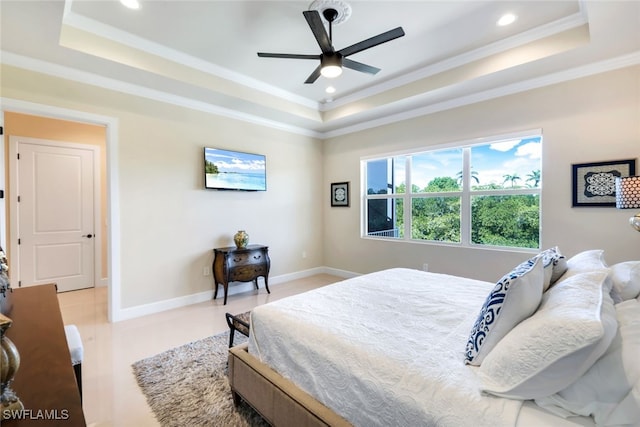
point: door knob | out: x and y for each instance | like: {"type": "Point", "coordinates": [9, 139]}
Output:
{"type": "Point", "coordinates": [88, 236]}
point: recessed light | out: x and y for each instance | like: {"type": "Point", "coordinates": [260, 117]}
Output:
{"type": "Point", "coordinates": [330, 89]}
{"type": "Point", "coordinates": [506, 19]}
{"type": "Point", "coordinates": [131, 4]}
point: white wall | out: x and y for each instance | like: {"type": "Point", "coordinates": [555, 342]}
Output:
{"type": "Point", "coordinates": [588, 120]}
{"type": "Point", "coordinates": [169, 223]}
{"type": "Point", "coordinates": [172, 224]}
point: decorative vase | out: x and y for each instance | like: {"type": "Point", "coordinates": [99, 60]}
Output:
{"type": "Point", "coordinates": [9, 402]}
{"type": "Point", "coordinates": [241, 238]}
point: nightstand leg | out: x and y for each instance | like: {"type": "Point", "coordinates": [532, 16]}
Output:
{"type": "Point", "coordinates": [266, 284]}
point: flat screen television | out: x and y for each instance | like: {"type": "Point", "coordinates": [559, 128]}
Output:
{"type": "Point", "coordinates": [234, 170]}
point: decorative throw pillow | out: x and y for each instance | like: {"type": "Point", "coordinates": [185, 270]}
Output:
{"type": "Point", "coordinates": [626, 279]}
{"type": "Point", "coordinates": [606, 391]}
{"type": "Point", "coordinates": [515, 297]}
{"type": "Point", "coordinates": [550, 350]}
{"type": "Point", "coordinates": [554, 264]}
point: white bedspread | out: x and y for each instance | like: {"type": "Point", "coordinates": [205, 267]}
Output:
{"type": "Point", "coordinates": [384, 349]}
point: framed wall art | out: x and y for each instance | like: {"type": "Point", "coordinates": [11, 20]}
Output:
{"type": "Point", "coordinates": [594, 183]}
{"type": "Point", "coordinates": [340, 194]}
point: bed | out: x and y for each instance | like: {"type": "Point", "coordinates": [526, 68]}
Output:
{"type": "Point", "coordinates": [406, 347]}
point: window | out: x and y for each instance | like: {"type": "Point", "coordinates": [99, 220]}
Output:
{"type": "Point", "coordinates": [475, 194]}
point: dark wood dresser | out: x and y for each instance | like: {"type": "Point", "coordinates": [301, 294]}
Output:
{"type": "Point", "coordinates": [45, 381]}
{"type": "Point", "coordinates": [231, 264]}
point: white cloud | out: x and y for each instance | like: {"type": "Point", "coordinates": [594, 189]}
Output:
{"type": "Point", "coordinates": [505, 145]}
{"type": "Point", "coordinates": [521, 165]}
{"type": "Point", "coordinates": [532, 150]}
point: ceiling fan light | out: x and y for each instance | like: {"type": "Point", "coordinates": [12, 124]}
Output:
{"type": "Point", "coordinates": [331, 66]}
{"type": "Point", "coordinates": [331, 71]}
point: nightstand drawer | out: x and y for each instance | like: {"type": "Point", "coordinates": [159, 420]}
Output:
{"type": "Point", "coordinates": [247, 258]}
{"type": "Point", "coordinates": [246, 273]}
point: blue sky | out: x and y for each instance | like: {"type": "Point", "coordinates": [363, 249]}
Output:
{"type": "Point", "coordinates": [490, 161]}
{"type": "Point", "coordinates": [232, 161]}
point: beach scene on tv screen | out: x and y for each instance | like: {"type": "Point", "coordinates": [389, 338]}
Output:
{"type": "Point", "coordinates": [234, 170]}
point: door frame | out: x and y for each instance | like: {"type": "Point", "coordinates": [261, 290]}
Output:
{"type": "Point", "coordinates": [14, 261]}
{"type": "Point", "coordinates": [114, 309]}
{"type": "Point", "coordinates": [3, 206]}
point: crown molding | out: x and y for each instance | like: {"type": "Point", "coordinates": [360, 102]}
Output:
{"type": "Point", "coordinates": [535, 83]}
{"type": "Point", "coordinates": [538, 33]}
{"type": "Point", "coordinates": [102, 30]}
{"type": "Point", "coordinates": [83, 23]}
{"type": "Point", "coordinates": [67, 73]}
{"type": "Point", "coordinates": [96, 80]}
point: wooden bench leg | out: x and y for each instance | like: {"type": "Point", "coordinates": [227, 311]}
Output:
{"type": "Point", "coordinates": [235, 323]}
{"type": "Point", "coordinates": [232, 328]}
{"type": "Point", "coordinates": [232, 334]}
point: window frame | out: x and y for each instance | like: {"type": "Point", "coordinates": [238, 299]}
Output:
{"type": "Point", "coordinates": [466, 193]}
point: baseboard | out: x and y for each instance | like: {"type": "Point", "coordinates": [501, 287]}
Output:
{"type": "Point", "coordinates": [170, 304]}
{"type": "Point", "coordinates": [160, 306]}
{"type": "Point", "coordinates": [340, 273]}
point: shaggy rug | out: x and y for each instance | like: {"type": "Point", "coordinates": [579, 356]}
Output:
{"type": "Point", "coordinates": [188, 386]}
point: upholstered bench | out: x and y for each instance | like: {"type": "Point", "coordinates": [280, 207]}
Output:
{"type": "Point", "coordinates": [238, 322]}
{"type": "Point", "coordinates": [76, 351]}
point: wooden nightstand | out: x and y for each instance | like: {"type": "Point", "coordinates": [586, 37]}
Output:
{"type": "Point", "coordinates": [231, 264]}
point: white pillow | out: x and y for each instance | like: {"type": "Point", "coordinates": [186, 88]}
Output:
{"type": "Point", "coordinates": [515, 297]}
{"type": "Point", "coordinates": [626, 279]}
{"type": "Point", "coordinates": [606, 391]}
{"type": "Point", "coordinates": [584, 261]}
{"type": "Point", "coordinates": [548, 351]}
{"type": "Point", "coordinates": [554, 263]}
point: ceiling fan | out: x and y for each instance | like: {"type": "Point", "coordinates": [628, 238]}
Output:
{"type": "Point", "coordinates": [332, 61]}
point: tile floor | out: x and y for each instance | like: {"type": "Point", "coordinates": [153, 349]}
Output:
{"type": "Point", "coordinates": [111, 396]}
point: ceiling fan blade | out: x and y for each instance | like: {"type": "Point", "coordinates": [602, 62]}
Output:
{"type": "Point", "coordinates": [314, 76]}
{"type": "Point", "coordinates": [317, 28]}
{"type": "Point", "coordinates": [287, 55]}
{"type": "Point", "coordinates": [373, 41]}
{"type": "Point", "coordinates": [359, 66]}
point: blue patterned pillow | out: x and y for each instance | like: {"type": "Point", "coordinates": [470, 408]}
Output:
{"type": "Point", "coordinates": [554, 264]}
{"type": "Point", "coordinates": [514, 298]}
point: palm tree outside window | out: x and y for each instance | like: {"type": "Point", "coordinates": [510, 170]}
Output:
{"type": "Point", "coordinates": [466, 194]}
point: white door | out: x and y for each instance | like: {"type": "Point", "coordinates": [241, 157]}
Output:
{"type": "Point", "coordinates": [55, 189]}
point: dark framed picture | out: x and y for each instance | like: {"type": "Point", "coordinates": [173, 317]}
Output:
{"type": "Point", "coordinates": [594, 184]}
{"type": "Point", "coordinates": [340, 194]}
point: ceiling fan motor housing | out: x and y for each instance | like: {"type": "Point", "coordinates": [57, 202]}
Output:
{"type": "Point", "coordinates": [330, 14]}
{"type": "Point", "coordinates": [333, 59]}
